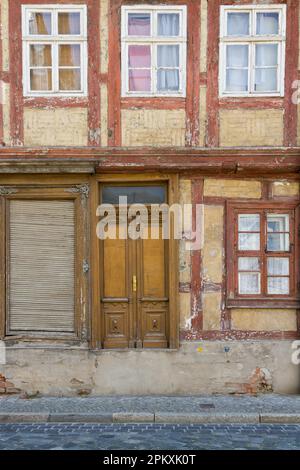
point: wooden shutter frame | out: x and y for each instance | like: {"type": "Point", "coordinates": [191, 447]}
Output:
{"type": "Point", "coordinates": [80, 195]}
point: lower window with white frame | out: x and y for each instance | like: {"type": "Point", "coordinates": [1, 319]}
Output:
{"type": "Point", "coordinates": [261, 251]}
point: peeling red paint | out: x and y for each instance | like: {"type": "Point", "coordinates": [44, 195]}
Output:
{"type": "Point", "coordinates": [196, 280]}
{"type": "Point", "coordinates": [218, 335]}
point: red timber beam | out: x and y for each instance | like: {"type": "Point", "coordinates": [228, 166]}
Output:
{"type": "Point", "coordinates": [276, 163]}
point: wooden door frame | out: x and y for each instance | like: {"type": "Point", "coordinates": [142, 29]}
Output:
{"type": "Point", "coordinates": [172, 181]}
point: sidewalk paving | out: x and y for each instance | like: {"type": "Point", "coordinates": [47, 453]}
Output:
{"type": "Point", "coordinates": [267, 408]}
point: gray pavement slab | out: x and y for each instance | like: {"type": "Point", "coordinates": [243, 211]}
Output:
{"type": "Point", "coordinates": [269, 408]}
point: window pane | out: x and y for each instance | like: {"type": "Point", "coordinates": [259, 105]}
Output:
{"type": "Point", "coordinates": [278, 222]}
{"type": "Point", "coordinates": [249, 222]}
{"type": "Point", "coordinates": [249, 241]}
{"type": "Point", "coordinates": [267, 23]}
{"type": "Point", "coordinates": [69, 79]}
{"type": "Point", "coordinates": [249, 264]}
{"type": "Point", "coordinates": [278, 285]}
{"type": "Point", "coordinates": [41, 80]}
{"type": "Point", "coordinates": [69, 55]}
{"type": "Point", "coordinates": [139, 80]}
{"type": "Point", "coordinates": [134, 194]}
{"type": "Point", "coordinates": [139, 24]}
{"type": "Point", "coordinates": [40, 55]}
{"type": "Point", "coordinates": [266, 80]}
{"type": "Point", "coordinates": [236, 80]}
{"type": "Point", "coordinates": [249, 283]}
{"type": "Point", "coordinates": [278, 266]}
{"type": "Point", "coordinates": [39, 23]}
{"type": "Point", "coordinates": [266, 55]}
{"type": "Point", "coordinates": [69, 23]}
{"type": "Point", "coordinates": [237, 56]}
{"type": "Point", "coordinates": [168, 56]}
{"type": "Point", "coordinates": [238, 24]}
{"type": "Point", "coordinates": [168, 80]}
{"type": "Point", "coordinates": [278, 242]}
{"type": "Point", "coordinates": [139, 56]}
{"type": "Point", "coordinates": [168, 24]}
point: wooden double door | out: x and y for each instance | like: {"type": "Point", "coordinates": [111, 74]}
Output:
{"type": "Point", "coordinates": [135, 287]}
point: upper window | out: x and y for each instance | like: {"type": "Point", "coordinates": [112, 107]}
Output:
{"type": "Point", "coordinates": [252, 50]}
{"type": "Point", "coordinates": [153, 51]}
{"type": "Point", "coordinates": [55, 50]}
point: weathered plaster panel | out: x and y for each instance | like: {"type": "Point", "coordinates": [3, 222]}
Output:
{"type": "Point", "coordinates": [232, 188]}
{"type": "Point", "coordinates": [104, 35]}
{"type": "Point", "coordinates": [185, 309]}
{"type": "Point", "coordinates": [212, 255]}
{"type": "Point", "coordinates": [153, 127]}
{"type": "Point", "coordinates": [202, 116]}
{"type": "Point", "coordinates": [6, 113]}
{"type": "Point", "coordinates": [5, 35]}
{"type": "Point", "coordinates": [211, 305]}
{"type": "Point", "coordinates": [246, 127]}
{"type": "Point", "coordinates": [104, 115]}
{"type": "Point", "coordinates": [203, 36]}
{"type": "Point", "coordinates": [185, 195]}
{"type": "Point", "coordinates": [52, 127]}
{"type": "Point", "coordinates": [264, 320]}
{"type": "Point", "coordinates": [285, 188]}
{"type": "Point", "coordinates": [298, 129]}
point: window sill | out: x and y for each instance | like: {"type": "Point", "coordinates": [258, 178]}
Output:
{"type": "Point", "coordinates": [153, 102]}
{"type": "Point", "coordinates": [277, 303]}
{"type": "Point", "coordinates": [55, 101]}
{"type": "Point", "coordinates": [267, 102]}
{"type": "Point", "coordinates": [251, 95]}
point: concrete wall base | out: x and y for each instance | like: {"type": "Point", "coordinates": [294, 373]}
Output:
{"type": "Point", "coordinates": [197, 368]}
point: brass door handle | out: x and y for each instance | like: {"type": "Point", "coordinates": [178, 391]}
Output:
{"type": "Point", "coordinates": [134, 283]}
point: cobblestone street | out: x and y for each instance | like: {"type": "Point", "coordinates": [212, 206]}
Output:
{"type": "Point", "coordinates": [148, 436]}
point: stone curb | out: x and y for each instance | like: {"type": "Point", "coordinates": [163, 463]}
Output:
{"type": "Point", "coordinates": [133, 417]}
{"type": "Point", "coordinates": [280, 418]}
{"type": "Point", "coordinates": [160, 417]}
{"type": "Point", "coordinates": [206, 418]}
{"type": "Point", "coordinates": [80, 418]}
{"type": "Point", "coordinates": [24, 417]}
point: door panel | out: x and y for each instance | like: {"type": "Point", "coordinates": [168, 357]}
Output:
{"type": "Point", "coordinates": [116, 290]}
{"type": "Point", "coordinates": [153, 301]}
{"type": "Point", "coordinates": [153, 264]}
{"type": "Point", "coordinates": [115, 278]}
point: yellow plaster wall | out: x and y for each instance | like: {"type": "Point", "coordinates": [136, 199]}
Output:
{"type": "Point", "coordinates": [54, 127]}
{"type": "Point", "coordinates": [232, 188]}
{"type": "Point", "coordinates": [264, 319]}
{"type": "Point", "coordinates": [244, 127]}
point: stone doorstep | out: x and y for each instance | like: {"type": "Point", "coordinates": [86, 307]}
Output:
{"type": "Point", "coordinates": [161, 417]}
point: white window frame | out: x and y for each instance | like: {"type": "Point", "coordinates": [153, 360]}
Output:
{"type": "Point", "coordinates": [252, 40]}
{"type": "Point", "coordinates": [55, 40]}
{"type": "Point", "coordinates": [153, 40]}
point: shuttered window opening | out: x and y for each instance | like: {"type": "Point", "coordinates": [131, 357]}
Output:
{"type": "Point", "coordinates": [41, 283]}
